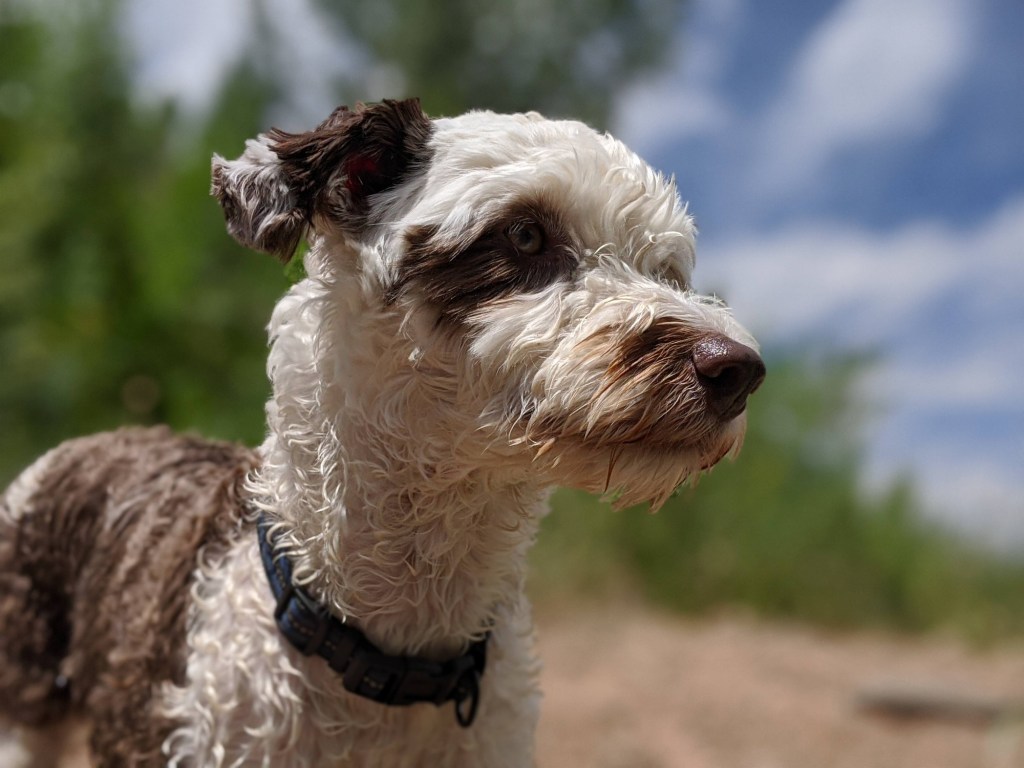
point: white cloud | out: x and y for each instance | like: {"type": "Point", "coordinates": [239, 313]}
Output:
{"type": "Point", "coordinates": [894, 292]}
{"type": "Point", "coordinates": [874, 70]}
{"type": "Point", "coordinates": [682, 99]}
{"type": "Point", "coordinates": [656, 112]}
{"type": "Point", "coordinates": [796, 281]}
{"type": "Point", "coordinates": [866, 287]}
{"type": "Point", "coordinates": [977, 493]}
{"type": "Point", "coordinates": [973, 376]}
{"type": "Point", "coordinates": [314, 55]}
{"type": "Point", "coordinates": [183, 49]}
{"type": "Point", "coordinates": [979, 499]}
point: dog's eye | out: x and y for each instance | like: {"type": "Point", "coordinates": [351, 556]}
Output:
{"type": "Point", "coordinates": [527, 237]}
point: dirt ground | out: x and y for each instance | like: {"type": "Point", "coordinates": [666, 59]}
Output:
{"type": "Point", "coordinates": [636, 690]}
{"type": "Point", "coordinates": [626, 688]}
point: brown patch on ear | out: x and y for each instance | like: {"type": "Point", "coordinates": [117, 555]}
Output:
{"type": "Point", "coordinates": [286, 182]}
{"type": "Point", "coordinates": [334, 169]}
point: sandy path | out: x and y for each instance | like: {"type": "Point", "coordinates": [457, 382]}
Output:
{"type": "Point", "coordinates": [631, 689]}
{"type": "Point", "coordinates": [647, 691]}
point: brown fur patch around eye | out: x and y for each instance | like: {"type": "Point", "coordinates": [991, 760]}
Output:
{"type": "Point", "coordinates": [460, 278]}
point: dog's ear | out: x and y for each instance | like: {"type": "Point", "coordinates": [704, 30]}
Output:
{"type": "Point", "coordinates": [324, 178]}
{"type": "Point", "coordinates": [260, 208]}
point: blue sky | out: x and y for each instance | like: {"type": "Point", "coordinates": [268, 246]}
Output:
{"type": "Point", "coordinates": [856, 168]}
{"type": "Point", "coordinates": [857, 172]}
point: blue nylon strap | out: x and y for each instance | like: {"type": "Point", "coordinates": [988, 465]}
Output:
{"type": "Point", "coordinates": [366, 670]}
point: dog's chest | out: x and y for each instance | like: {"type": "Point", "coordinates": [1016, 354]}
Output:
{"type": "Point", "coordinates": [252, 699]}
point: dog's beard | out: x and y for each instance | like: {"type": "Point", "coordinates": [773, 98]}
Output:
{"type": "Point", "coordinates": [633, 473]}
{"type": "Point", "coordinates": [622, 463]}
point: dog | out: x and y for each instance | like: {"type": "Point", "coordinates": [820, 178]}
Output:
{"type": "Point", "coordinates": [493, 305]}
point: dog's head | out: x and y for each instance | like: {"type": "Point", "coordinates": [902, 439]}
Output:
{"type": "Point", "coordinates": [547, 262]}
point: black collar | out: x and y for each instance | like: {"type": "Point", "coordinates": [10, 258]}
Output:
{"type": "Point", "coordinates": [365, 669]}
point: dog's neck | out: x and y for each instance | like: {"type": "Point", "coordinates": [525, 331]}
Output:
{"type": "Point", "coordinates": [389, 516]}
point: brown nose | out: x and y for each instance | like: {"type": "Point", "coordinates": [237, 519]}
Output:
{"type": "Point", "coordinates": [729, 372]}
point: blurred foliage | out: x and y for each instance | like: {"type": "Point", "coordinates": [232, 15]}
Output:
{"type": "Point", "coordinates": [123, 300]}
{"type": "Point", "coordinates": [564, 59]}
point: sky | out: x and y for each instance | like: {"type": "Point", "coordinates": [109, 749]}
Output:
{"type": "Point", "coordinates": [856, 169]}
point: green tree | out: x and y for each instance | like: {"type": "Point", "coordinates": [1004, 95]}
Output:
{"type": "Point", "coordinates": [565, 59]}
{"type": "Point", "coordinates": [122, 298]}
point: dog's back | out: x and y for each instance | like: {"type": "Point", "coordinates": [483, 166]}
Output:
{"type": "Point", "coordinates": [98, 540]}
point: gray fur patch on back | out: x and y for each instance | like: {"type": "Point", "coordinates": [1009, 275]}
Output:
{"type": "Point", "coordinates": [95, 564]}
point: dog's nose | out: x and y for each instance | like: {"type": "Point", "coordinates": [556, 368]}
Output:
{"type": "Point", "coordinates": [729, 372]}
